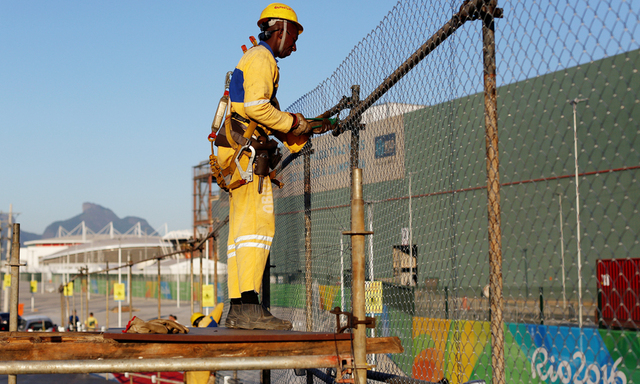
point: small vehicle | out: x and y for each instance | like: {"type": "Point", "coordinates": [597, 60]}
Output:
{"type": "Point", "coordinates": [38, 323]}
{"type": "Point", "coordinates": [4, 322]}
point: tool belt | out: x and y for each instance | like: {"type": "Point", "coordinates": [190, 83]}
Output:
{"type": "Point", "coordinates": [264, 153]}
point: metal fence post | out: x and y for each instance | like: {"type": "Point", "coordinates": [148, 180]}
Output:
{"type": "Point", "coordinates": [493, 190]}
{"type": "Point", "coordinates": [307, 234]}
{"type": "Point", "coordinates": [191, 278]}
{"type": "Point", "coordinates": [200, 284]}
{"type": "Point", "coordinates": [62, 306]}
{"type": "Point", "coordinates": [106, 297]}
{"type": "Point", "coordinates": [541, 306]}
{"type": "Point", "coordinates": [81, 320]}
{"type": "Point", "coordinates": [446, 302]}
{"type": "Point", "coordinates": [130, 288]}
{"type": "Point", "coordinates": [358, 266]}
{"type": "Point", "coordinates": [15, 286]}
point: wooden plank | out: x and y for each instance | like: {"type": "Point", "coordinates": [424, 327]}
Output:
{"type": "Point", "coordinates": [89, 346]}
{"type": "Point", "coordinates": [221, 334]}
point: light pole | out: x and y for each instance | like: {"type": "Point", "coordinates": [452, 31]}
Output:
{"type": "Point", "coordinates": [564, 290]}
{"type": "Point", "coordinates": [526, 273]}
{"type": "Point", "coordinates": [574, 104]}
{"type": "Point", "coordinates": [411, 281]}
{"type": "Point", "coordinates": [410, 232]}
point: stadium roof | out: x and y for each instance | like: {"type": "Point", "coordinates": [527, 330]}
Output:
{"type": "Point", "coordinates": [110, 244]}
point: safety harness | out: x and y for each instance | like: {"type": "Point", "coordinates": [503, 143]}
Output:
{"type": "Point", "coordinates": [263, 153]}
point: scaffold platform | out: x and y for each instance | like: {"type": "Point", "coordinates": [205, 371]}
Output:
{"type": "Point", "coordinates": [201, 348]}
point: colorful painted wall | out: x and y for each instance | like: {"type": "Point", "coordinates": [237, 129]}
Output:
{"type": "Point", "coordinates": [461, 351]}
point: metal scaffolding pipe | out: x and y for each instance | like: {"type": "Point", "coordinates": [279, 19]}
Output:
{"type": "Point", "coordinates": [357, 268]}
{"type": "Point", "coordinates": [493, 191]}
{"type": "Point", "coordinates": [307, 236]}
{"type": "Point", "coordinates": [15, 278]}
{"type": "Point", "coordinates": [166, 365]}
{"type": "Point", "coordinates": [200, 281]}
{"type": "Point", "coordinates": [130, 287]}
{"type": "Point", "coordinates": [215, 269]}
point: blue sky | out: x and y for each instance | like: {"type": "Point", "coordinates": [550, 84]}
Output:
{"type": "Point", "coordinates": [111, 102]}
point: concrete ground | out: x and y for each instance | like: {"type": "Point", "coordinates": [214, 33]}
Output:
{"type": "Point", "coordinates": [48, 304]}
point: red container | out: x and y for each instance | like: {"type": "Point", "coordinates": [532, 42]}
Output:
{"type": "Point", "coordinates": [619, 286]}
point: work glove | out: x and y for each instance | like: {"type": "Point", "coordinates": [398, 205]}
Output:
{"type": "Point", "coordinates": [300, 125]}
{"type": "Point", "coordinates": [137, 325]}
{"type": "Point", "coordinates": [320, 127]}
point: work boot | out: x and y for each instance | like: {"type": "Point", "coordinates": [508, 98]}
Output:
{"type": "Point", "coordinates": [254, 316]}
{"type": "Point", "coordinates": [232, 316]}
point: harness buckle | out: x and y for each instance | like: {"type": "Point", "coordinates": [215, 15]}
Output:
{"type": "Point", "coordinates": [246, 175]}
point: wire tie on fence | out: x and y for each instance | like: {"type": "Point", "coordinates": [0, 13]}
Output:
{"type": "Point", "coordinates": [364, 366]}
{"type": "Point", "coordinates": [347, 233]}
{"type": "Point", "coordinates": [17, 265]}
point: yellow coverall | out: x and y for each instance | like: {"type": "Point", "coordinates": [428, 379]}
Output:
{"type": "Point", "coordinates": [251, 214]}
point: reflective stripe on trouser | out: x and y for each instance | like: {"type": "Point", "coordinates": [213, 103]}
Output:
{"type": "Point", "coordinates": [251, 230]}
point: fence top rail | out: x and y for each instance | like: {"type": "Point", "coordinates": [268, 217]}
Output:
{"type": "Point", "coordinates": [470, 10]}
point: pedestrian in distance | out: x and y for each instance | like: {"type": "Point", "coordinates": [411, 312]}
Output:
{"type": "Point", "coordinates": [91, 323]}
{"type": "Point", "coordinates": [73, 322]}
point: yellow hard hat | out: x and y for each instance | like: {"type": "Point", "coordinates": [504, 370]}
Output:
{"type": "Point", "coordinates": [196, 316]}
{"type": "Point", "coordinates": [279, 11]}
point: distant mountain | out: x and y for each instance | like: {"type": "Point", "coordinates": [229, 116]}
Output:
{"type": "Point", "coordinates": [96, 217]}
{"type": "Point", "coordinates": [28, 236]}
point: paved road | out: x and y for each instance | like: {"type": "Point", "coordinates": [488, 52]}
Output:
{"type": "Point", "coordinates": [48, 304]}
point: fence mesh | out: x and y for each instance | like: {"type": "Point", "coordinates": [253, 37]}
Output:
{"type": "Point", "coordinates": [568, 146]}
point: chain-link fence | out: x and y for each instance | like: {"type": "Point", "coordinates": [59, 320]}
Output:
{"type": "Point", "coordinates": [567, 202]}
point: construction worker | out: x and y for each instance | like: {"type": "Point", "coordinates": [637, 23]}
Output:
{"type": "Point", "coordinates": [252, 94]}
{"type": "Point", "coordinates": [200, 320]}
{"type": "Point", "coordinates": [74, 322]}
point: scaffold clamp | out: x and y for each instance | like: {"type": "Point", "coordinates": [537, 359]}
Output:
{"type": "Point", "coordinates": [17, 265]}
{"type": "Point", "coordinates": [352, 321]}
